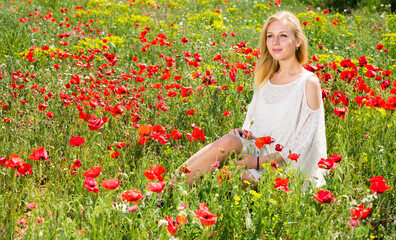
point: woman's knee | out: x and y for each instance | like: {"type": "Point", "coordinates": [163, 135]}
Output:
{"type": "Point", "coordinates": [229, 143]}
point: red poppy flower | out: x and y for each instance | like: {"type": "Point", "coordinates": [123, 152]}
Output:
{"type": "Point", "coordinates": [115, 155]}
{"type": "Point", "coordinates": [184, 40]}
{"type": "Point", "coordinates": [260, 142]}
{"type": "Point", "coordinates": [282, 184]}
{"type": "Point", "coordinates": [131, 195]}
{"type": "Point", "coordinates": [379, 47]}
{"type": "Point", "coordinates": [378, 185]}
{"type": "Point", "coordinates": [385, 84]}
{"type": "Point", "coordinates": [393, 90]}
{"type": "Point", "coordinates": [97, 124]}
{"type": "Point", "coordinates": [336, 157]}
{"type": "Point", "coordinates": [156, 186]}
{"type": "Point", "coordinates": [370, 74]}
{"type": "Point", "coordinates": [184, 169]}
{"type": "Point", "coordinates": [110, 183]}
{"type": "Point", "coordinates": [371, 67]}
{"type": "Point", "coordinates": [246, 134]}
{"type": "Point", "coordinates": [274, 165]}
{"type": "Point", "coordinates": [293, 156]}
{"type": "Point", "coordinates": [171, 94]}
{"type": "Point", "coordinates": [159, 128]}
{"type": "Point", "coordinates": [176, 134]}
{"type": "Point", "coordinates": [76, 141]}
{"type": "Point", "coordinates": [360, 212]}
{"type": "Point", "coordinates": [25, 169]}
{"type": "Point", "coordinates": [77, 163]}
{"type": "Point", "coordinates": [50, 115]}
{"type": "Point", "coordinates": [324, 196]}
{"type": "Point", "coordinates": [172, 225]}
{"type": "Point", "coordinates": [327, 163]}
{"type": "Point", "coordinates": [39, 154]}
{"type": "Point", "coordinates": [185, 92]}
{"type": "Point", "coordinates": [190, 112]}
{"type": "Point", "coordinates": [142, 141]}
{"type": "Point", "coordinates": [198, 134]}
{"type": "Point", "coordinates": [120, 145]}
{"type": "Point", "coordinates": [227, 113]}
{"type": "Point", "coordinates": [42, 107]}
{"type": "Point", "coordinates": [91, 184]}
{"type": "Point", "coordinates": [223, 175]}
{"type": "Point", "coordinates": [180, 219]}
{"type": "Point", "coordinates": [161, 35]}
{"type": "Point", "coordinates": [341, 112]}
{"type": "Point", "coordinates": [145, 130]}
{"type": "Point", "coordinates": [362, 61]}
{"type": "Point", "coordinates": [93, 172]}
{"type": "Point", "coordinates": [155, 173]}
{"type": "Point", "coordinates": [3, 160]}
{"type": "Point", "coordinates": [278, 147]}
{"type": "Point", "coordinates": [204, 215]}
{"type": "Point", "coordinates": [14, 161]}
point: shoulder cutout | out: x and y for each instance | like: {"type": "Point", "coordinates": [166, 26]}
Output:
{"type": "Point", "coordinates": [313, 92]}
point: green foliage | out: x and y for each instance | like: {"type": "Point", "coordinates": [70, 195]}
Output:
{"type": "Point", "coordinates": [349, 5]}
{"type": "Point", "coordinates": [66, 210]}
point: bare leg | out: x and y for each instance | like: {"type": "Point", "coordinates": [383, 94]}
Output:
{"type": "Point", "coordinates": [201, 161]}
{"type": "Point", "coordinates": [247, 176]}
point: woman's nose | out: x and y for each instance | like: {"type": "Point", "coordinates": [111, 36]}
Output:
{"type": "Point", "coordinates": [276, 40]}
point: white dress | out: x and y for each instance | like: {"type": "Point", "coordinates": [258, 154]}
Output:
{"type": "Point", "coordinates": [282, 112]}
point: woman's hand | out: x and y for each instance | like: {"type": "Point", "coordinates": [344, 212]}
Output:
{"type": "Point", "coordinates": [236, 131]}
{"type": "Point", "coordinates": [241, 133]}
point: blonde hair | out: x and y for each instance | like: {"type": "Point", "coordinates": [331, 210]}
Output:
{"type": "Point", "coordinates": [267, 66]}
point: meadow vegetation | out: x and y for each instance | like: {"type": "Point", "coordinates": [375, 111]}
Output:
{"type": "Point", "coordinates": [102, 100]}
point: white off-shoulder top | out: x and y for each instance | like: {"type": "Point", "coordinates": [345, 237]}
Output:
{"type": "Point", "coordinates": [282, 112]}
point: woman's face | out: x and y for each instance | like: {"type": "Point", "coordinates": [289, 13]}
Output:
{"type": "Point", "coordinates": [281, 42]}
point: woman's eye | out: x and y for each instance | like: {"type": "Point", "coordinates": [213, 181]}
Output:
{"type": "Point", "coordinates": [283, 35]}
{"type": "Point", "coordinates": [269, 36]}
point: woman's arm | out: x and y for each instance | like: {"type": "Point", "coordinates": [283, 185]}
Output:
{"type": "Point", "coordinates": [251, 161]}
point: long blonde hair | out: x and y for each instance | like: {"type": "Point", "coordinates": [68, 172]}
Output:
{"type": "Point", "coordinates": [267, 66]}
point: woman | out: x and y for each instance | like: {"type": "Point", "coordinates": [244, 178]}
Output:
{"type": "Point", "coordinates": [286, 105]}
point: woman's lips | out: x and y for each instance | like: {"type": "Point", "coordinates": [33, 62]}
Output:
{"type": "Point", "coordinates": [276, 50]}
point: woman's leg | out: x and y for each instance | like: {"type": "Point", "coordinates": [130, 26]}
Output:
{"type": "Point", "coordinates": [247, 176]}
{"type": "Point", "coordinates": [201, 161]}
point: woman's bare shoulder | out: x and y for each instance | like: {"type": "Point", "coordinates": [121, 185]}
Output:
{"type": "Point", "coordinates": [313, 81]}
{"type": "Point", "coordinates": [313, 92]}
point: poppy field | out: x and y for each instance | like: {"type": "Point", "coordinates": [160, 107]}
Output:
{"type": "Point", "coordinates": [102, 100]}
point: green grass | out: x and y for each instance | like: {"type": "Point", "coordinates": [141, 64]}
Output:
{"type": "Point", "coordinates": [257, 212]}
